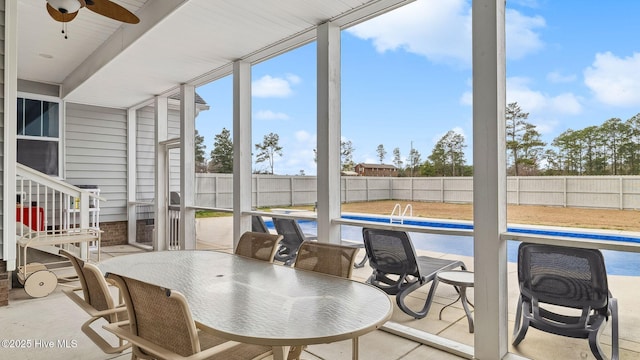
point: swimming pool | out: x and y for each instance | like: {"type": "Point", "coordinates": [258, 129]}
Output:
{"type": "Point", "coordinates": [617, 262]}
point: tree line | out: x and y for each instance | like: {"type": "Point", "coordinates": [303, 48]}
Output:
{"type": "Point", "coordinates": [612, 148]}
{"type": "Point", "coordinates": [221, 157]}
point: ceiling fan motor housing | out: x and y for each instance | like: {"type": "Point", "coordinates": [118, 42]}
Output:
{"type": "Point", "coordinates": [65, 6]}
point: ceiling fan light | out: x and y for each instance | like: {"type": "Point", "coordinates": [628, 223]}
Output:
{"type": "Point", "coordinates": [65, 6]}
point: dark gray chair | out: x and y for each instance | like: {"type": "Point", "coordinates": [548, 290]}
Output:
{"type": "Point", "coordinates": [258, 225]}
{"type": "Point", "coordinates": [569, 278]}
{"type": "Point", "coordinates": [397, 270]}
{"type": "Point", "coordinates": [292, 238]}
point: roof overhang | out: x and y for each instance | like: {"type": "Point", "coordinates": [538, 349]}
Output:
{"type": "Point", "coordinates": [106, 63]}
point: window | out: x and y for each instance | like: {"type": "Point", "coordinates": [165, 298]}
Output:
{"type": "Point", "coordinates": [38, 135]}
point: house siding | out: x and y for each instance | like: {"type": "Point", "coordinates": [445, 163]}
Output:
{"type": "Point", "coordinates": [4, 278]}
{"type": "Point", "coordinates": [145, 152]}
{"type": "Point", "coordinates": [96, 154]}
{"type": "Point", "coordinates": [145, 155]}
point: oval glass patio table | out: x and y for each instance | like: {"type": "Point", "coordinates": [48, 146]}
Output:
{"type": "Point", "coordinates": [257, 302]}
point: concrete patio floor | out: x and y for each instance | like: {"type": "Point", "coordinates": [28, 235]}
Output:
{"type": "Point", "coordinates": [53, 323]}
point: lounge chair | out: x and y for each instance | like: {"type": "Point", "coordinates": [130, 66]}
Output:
{"type": "Point", "coordinates": [398, 271]}
{"type": "Point", "coordinates": [258, 245]}
{"type": "Point", "coordinates": [556, 280]}
{"type": "Point", "coordinates": [96, 301]}
{"type": "Point", "coordinates": [291, 241]}
{"type": "Point", "coordinates": [293, 237]}
{"type": "Point", "coordinates": [258, 225]}
{"type": "Point", "coordinates": [174, 334]}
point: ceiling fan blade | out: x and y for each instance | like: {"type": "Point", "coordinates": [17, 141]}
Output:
{"type": "Point", "coordinates": [112, 10]}
{"type": "Point", "coordinates": [58, 16]}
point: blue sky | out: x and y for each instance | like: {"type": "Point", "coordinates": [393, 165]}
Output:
{"type": "Point", "coordinates": [406, 78]}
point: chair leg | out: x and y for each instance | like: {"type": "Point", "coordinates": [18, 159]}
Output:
{"type": "Point", "coordinates": [613, 308]}
{"type": "Point", "coordinates": [594, 337]}
{"type": "Point", "coordinates": [520, 331]}
{"type": "Point", "coordinates": [361, 263]}
{"type": "Point", "coordinates": [595, 346]}
{"type": "Point", "coordinates": [295, 352]}
{"type": "Point", "coordinates": [97, 339]}
{"type": "Point", "coordinates": [427, 305]}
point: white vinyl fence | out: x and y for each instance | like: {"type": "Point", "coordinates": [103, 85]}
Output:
{"type": "Point", "coordinates": [609, 192]}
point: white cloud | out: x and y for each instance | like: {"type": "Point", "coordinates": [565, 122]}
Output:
{"type": "Point", "coordinates": [543, 109]}
{"type": "Point", "coordinates": [566, 103]}
{"type": "Point", "coordinates": [466, 98]}
{"type": "Point", "coordinates": [457, 129]}
{"type": "Point", "coordinates": [527, 3]}
{"type": "Point", "coordinates": [538, 104]}
{"type": "Point", "coordinates": [441, 31]}
{"type": "Point", "coordinates": [270, 115]}
{"type": "Point", "coordinates": [520, 35]}
{"type": "Point", "coordinates": [557, 77]}
{"type": "Point", "coordinates": [299, 154]}
{"type": "Point", "coordinates": [269, 86]}
{"type": "Point", "coordinates": [518, 90]}
{"type": "Point", "coordinates": [303, 136]}
{"type": "Point", "coordinates": [293, 79]}
{"type": "Point", "coordinates": [615, 80]}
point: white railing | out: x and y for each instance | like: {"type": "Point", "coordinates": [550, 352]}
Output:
{"type": "Point", "coordinates": [45, 205]}
{"type": "Point", "coordinates": [398, 217]}
{"type": "Point", "coordinates": [173, 240]}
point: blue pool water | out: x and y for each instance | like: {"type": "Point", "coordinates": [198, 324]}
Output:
{"type": "Point", "coordinates": [617, 262]}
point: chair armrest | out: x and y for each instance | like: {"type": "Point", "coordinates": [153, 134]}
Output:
{"type": "Point", "coordinates": [71, 294]}
{"type": "Point", "coordinates": [161, 352]}
{"type": "Point", "coordinates": [148, 346]}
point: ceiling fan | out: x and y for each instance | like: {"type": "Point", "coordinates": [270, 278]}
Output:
{"type": "Point", "coordinates": [66, 10]}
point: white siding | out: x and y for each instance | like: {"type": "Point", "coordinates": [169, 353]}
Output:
{"type": "Point", "coordinates": [96, 154]}
{"type": "Point", "coordinates": [2, 131]}
{"type": "Point", "coordinates": [145, 153]}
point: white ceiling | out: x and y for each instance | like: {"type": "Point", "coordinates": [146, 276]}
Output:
{"type": "Point", "coordinates": [104, 62]}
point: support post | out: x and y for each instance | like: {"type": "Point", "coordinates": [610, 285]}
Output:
{"type": "Point", "coordinates": [10, 108]}
{"type": "Point", "coordinates": [161, 166]}
{"type": "Point", "coordinates": [132, 219]}
{"type": "Point", "coordinates": [328, 123]}
{"type": "Point", "coordinates": [187, 166]}
{"type": "Point", "coordinates": [490, 182]}
{"type": "Point", "coordinates": [241, 148]}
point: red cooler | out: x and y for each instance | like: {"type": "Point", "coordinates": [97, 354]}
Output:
{"type": "Point", "coordinates": [31, 216]}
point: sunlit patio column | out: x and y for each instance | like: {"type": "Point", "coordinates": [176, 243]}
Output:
{"type": "Point", "coordinates": [241, 148]}
{"type": "Point", "coordinates": [161, 184]}
{"type": "Point", "coordinates": [489, 179]}
{"type": "Point", "coordinates": [132, 178]}
{"type": "Point", "coordinates": [10, 109]}
{"type": "Point", "coordinates": [187, 166]}
{"type": "Point", "coordinates": [328, 122]}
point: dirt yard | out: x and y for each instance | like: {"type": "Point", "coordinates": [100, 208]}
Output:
{"type": "Point", "coordinates": [627, 220]}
